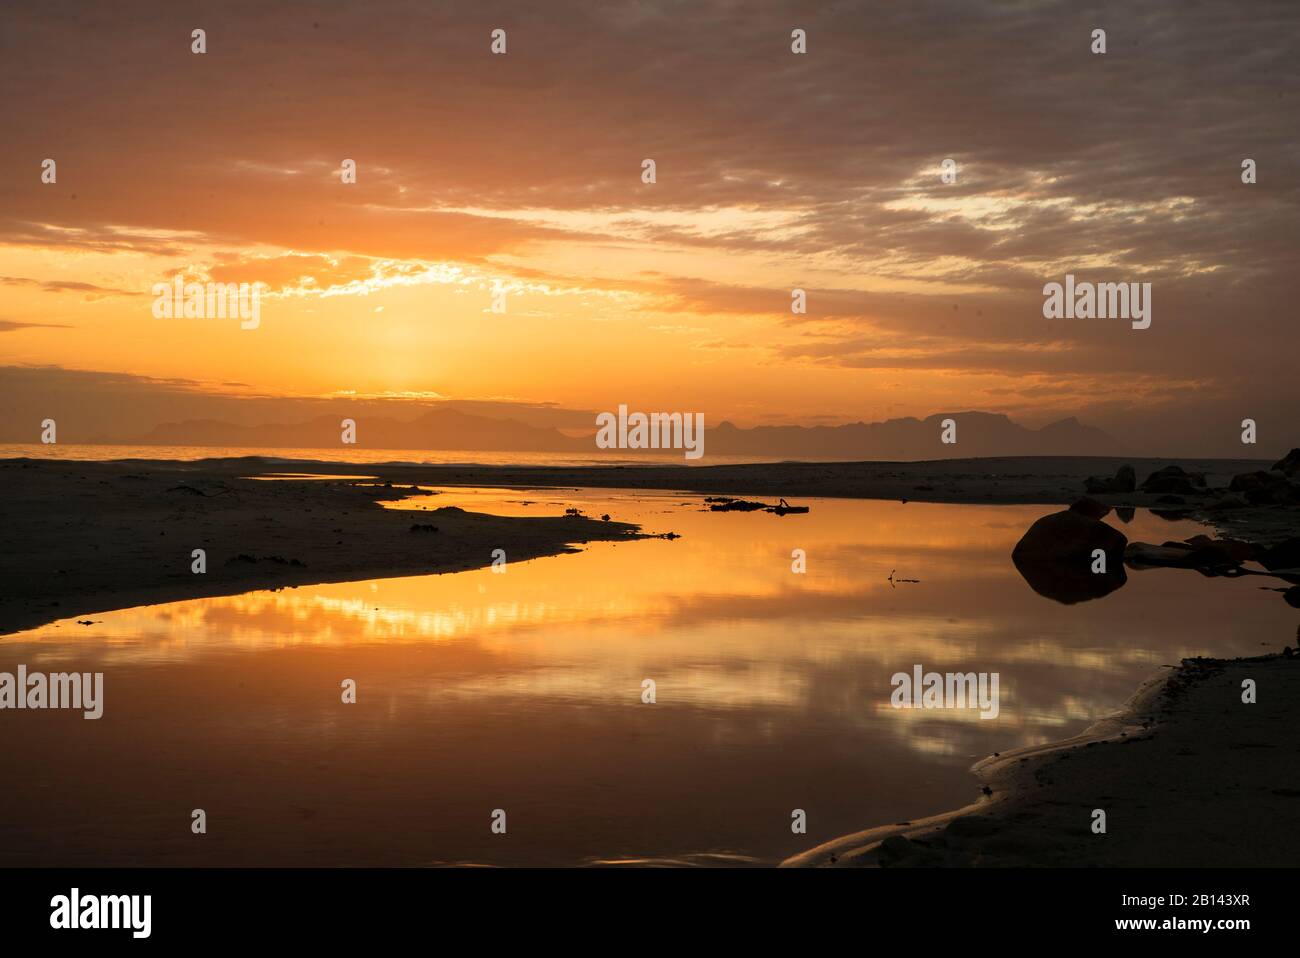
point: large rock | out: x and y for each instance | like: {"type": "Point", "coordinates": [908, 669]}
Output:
{"type": "Point", "coordinates": [1173, 479]}
{"type": "Point", "coordinates": [1266, 487]}
{"type": "Point", "coordinates": [1056, 555]}
{"type": "Point", "coordinates": [1289, 464]}
{"type": "Point", "coordinates": [1284, 555]}
{"type": "Point", "coordinates": [1124, 480]}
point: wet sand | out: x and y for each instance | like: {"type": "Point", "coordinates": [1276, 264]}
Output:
{"type": "Point", "coordinates": [1187, 775]}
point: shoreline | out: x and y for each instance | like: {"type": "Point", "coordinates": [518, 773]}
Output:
{"type": "Point", "coordinates": [261, 534]}
{"type": "Point", "coordinates": [1020, 480]}
{"type": "Point", "coordinates": [1183, 723]}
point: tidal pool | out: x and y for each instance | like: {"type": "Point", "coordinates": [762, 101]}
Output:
{"type": "Point", "coordinates": [522, 691]}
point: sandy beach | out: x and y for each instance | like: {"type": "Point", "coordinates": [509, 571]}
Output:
{"type": "Point", "coordinates": [81, 538]}
{"type": "Point", "coordinates": [1186, 774]}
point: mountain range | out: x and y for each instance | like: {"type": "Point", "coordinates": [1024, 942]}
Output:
{"type": "Point", "coordinates": [977, 434]}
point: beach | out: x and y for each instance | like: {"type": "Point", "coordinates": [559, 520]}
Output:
{"type": "Point", "coordinates": [1187, 775]}
{"type": "Point", "coordinates": [83, 538]}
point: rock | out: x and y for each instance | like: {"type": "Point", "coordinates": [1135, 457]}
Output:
{"type": "Point", "coordinates": [1144, 555]}
{"type": "Point", "coordinates": [1090, 508]}
{"type": "Point", "coordinates": [895, 848]}
{"type": "Point", "coordinates": [1174, 480]}
{"type": "Point", "coordinates": [1055, 555]}
{"type": "Point", "coordinates": [1284, 555]}
{"type": "Point", "coordinates": [1211, 556]}
{"type": "Point", "coordinates": [1124, 480]}
{"type": "Point", "coordinates": [1236, 550]}
{"type": "Point", "coordinates": [1289, 465]}
{"type": "Point", "coordinates": [1266, 488]}
{"type": "Point", "coordinates": [1125, 514]}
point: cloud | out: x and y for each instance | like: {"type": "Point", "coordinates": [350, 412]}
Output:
{"type": "Point", "coordinates": [774, 170]}
{"type": "Point", "coordinates": [9, 325]}
{"type": "Point", "coordinates": [65, 286]}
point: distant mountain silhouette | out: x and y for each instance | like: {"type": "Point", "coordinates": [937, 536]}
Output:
{"type": "Point", "coordinates": [436, 429]}
{"type": "Point", "coordinates": [978, 434]}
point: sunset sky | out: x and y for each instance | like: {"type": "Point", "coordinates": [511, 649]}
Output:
{"type": "Point", "coordinates": [774, 171]}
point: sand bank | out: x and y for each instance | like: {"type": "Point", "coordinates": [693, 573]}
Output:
{"type": "Point", "coordinates": [1186, 774]}
{"type": "Point", "coordinates": [78, 538]}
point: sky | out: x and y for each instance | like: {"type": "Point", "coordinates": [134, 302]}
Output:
{"type": "Point", "coordinates": [774, 170]}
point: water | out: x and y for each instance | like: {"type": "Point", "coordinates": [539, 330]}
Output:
{"type": "Point", "coordinates": [522, 691]}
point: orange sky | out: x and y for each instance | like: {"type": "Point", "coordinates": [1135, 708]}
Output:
{"type": "Point", "coordinates": [774, 171]}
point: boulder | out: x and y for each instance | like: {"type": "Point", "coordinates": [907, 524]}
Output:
{"type": "Point", "coordinates": [1266, 487]}
{"type": "Point", "coordinates": [1284, 555]}
{"type": "Point", "coordinates": [1090, 508]}
{"type": "Point", "coordinates": [1289, 465]}
{"type": "Point", "coordinates": [1173, 479]}
{"type": "Point", "coordinates": [1124, 480]}
{"type": "Point", "coordinates": [1055, 556]}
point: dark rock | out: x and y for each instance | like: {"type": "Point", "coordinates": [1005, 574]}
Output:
{"type": "Point", "coordinates": [1124, 480]}
{"type": "Point", "coordinates": [1284, 555]}
{"type": "Point", "coordinates": [1289, 464]}
{"type": "Point", "coordinates": [896, 848]}
{"type": "Point", "coordinates": [1234, 550]}
{"type": "Point", "coordinates": [1090, 508]}
{"type": "Point", "coordinates": [1055, 555]}
{"type": "Point", "coordinates": [1266, 488]}
{"type": "Point", "coordinates": [1174, 479]}
{"type": "Point", "coordinates": [1211, 556]}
